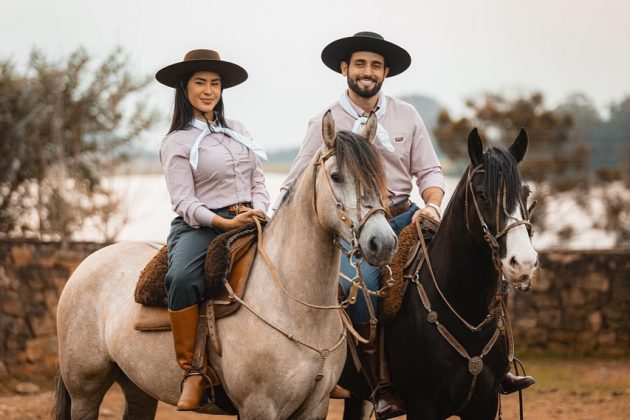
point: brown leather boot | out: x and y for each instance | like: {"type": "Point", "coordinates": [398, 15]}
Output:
{"type": "Point", "coordinates": [374, 360]}
{"type": "Point", "coordinates": [184, 325]}
{"type": "Point", "coordinates": [512, 383]}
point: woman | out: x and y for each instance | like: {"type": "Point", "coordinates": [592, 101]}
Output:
{"type": "Point", "coordinates": [216, 183]}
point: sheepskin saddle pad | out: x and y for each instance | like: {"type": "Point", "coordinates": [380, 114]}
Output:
{"type": "Point", "coordinates": [230, 257]}
{"type": "Point", "coordinates": [409, 250]}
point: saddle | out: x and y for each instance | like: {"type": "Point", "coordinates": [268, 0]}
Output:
{"type": "Point", "coordinates": [408, 258]}
{"type": "Point", "coordinates": [229, 259]}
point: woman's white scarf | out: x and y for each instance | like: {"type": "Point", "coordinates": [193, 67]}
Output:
{"type": "Point", "coordinates": [206, 129]}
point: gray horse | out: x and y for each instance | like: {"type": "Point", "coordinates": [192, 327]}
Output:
{"type": "Point", "coordinates": [265, 373]}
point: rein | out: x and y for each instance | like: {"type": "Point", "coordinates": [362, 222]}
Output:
{"type": "Point", "coordinates": [497, 309]}
{"type": "Point", "coordinates": [358, 282]}
{"type": "Point", "coordinates": [324, 353]}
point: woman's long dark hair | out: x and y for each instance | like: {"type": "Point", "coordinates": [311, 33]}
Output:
{"type": "Point", "coordinates": [183, 110]}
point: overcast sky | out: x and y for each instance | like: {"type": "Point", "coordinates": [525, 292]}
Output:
{"type": "Point", "coordinates": [459, 48]}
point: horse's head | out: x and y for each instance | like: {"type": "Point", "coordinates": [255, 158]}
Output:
{"type": "Point", "coordinates": [496, 197]}
{"type": "Point", "coordinates": [349, 191]}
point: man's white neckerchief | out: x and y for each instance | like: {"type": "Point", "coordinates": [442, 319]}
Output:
{"type": "Point", "coordinates": [381, 133]}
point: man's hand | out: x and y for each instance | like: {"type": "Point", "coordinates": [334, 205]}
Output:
{"type": "Point", "coordinates": [426, 211]}
{"type": "Point", "coordinates": [432, 196]}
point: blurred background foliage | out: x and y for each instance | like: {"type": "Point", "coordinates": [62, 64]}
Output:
{"type": "Point", "coordinates": [573, 151]}
{"type": "Point", "coordinates": [63, 125]}
{"type": "Point", "coordinates": [67, 125]}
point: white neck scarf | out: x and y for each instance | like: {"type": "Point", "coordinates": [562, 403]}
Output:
{"type": "Point", "coordinates": [381, 134]}
{"type": "Point", "coordinates": [256, 148]}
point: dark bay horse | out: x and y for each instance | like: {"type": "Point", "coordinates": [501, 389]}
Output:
{"type": "Point", "coordinates": [450, 346]}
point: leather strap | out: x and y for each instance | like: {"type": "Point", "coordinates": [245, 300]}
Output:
{"type": "Point", "coordinates": [212, 329]}
{"type": "Point", "coordinates": [202, 334]}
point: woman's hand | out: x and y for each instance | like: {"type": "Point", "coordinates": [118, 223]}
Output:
{"type": "Point", "coordinates": [243, 218]}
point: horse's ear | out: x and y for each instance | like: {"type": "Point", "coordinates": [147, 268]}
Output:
{"type": "Point", "coordinates": [519, 147]}
{"type": "Point", "coordinates": [329, 133]}
{"type": "Point", "coordinates": [369, 129]}
{"type": "Point", "coordinates": [475, 148]}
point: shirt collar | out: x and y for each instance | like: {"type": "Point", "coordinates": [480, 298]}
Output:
{"type": "Point", "coordinates": [203, 122]}
{"type": "Point", "coordinates": [360, 112]}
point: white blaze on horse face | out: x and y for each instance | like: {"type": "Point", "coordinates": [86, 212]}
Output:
{"type": "Point", "coordinates": [521, 260]}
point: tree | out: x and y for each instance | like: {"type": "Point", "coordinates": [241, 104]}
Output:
{"type": "Point", "coordinates": [552, 163]}
{"type": "Point", "coordinates": [550, 156]}
{"type": "Point", "coordinates": [62, 126]}
{"type": "Point", "coordinates": [558, 157]}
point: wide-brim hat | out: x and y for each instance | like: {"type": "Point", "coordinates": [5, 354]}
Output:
{"type": "Point", "coordinates": [202, 60]}
{"type": "Point", "coordinates": [396, 58]}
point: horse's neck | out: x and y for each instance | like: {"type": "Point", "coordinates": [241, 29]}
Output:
{"type": "Point", "coordinates": [303, 253]}
{"type": "Point", "coordinates": [463, 268]}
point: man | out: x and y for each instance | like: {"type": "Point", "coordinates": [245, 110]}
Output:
{"type": "Point", "coordinates": [404, 145]}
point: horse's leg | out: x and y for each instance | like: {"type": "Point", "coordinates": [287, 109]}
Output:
{"type": "Point", "coordinates": [355, 408]}
{"type": "Point", "coordinates": [138, 404]}
{"type": "Point", "coordinates": [258, 406]}
{"type": "Point", "coordinates": [87, 382]}
{"type": "Point", "coordinates": [313, 410]}
{"type": "Point", "coordinates": [487, 410]}
{"type": "Point", "coordinates": [422, 409]}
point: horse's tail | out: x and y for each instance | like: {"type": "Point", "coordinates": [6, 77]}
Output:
{"type": "Point", "coordinates": [61, 402]}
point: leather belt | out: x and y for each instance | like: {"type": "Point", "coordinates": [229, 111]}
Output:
{"type": "Point", "coordinates": [399, 208]}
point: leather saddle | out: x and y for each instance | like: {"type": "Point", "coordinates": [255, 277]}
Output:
{"type": "Point", "coordinates": [407, 260]}
{"type": "Point", "coordinates": [229, 259]}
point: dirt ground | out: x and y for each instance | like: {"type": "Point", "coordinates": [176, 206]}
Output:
{"type": "Point", "coordinates": [566, 389]}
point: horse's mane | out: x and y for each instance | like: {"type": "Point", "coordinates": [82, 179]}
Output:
{"type": "Point", "coordinates": [502, 169]}
{"type": "Point", "coordinates": [357, 156]}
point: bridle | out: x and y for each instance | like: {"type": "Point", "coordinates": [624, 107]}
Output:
{"type": "Point", "coordinates": [341, 211]}
{"type": "Point", "coordinates": [501, 205]}
{"type": "Point", "coordinates": [354, 255]}
{"type": "Point", "coordinates": [497, 309]}
{"type": "Point", "coordinates": [355, 251]}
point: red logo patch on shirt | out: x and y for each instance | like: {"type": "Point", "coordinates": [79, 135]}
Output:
{"type": "Point", "coordinates": [398, 139]}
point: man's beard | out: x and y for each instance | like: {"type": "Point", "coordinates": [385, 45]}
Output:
{"type": "Point", "coordinates": [364, 93]}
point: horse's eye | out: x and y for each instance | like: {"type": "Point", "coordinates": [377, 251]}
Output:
{"type": "Point", "coordinates": [481, 193]}
{"type": "Point", "coordinates": [526, 190]}
{"type": "Point", "coordinates": [336, 178]}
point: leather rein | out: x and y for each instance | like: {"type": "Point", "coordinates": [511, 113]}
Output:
{"type": "Point", "coordinates": [355, 251]}
{"type": "Point", "coordinates": [355, 256]}
{"type": "Point", "coordinates": [497, 308]}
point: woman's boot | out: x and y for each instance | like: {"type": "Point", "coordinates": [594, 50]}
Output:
{"type": "Point", "coordinates": [184, 326]}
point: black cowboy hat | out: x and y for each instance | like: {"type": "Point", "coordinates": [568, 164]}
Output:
{"type": "Point", "coordinates": [396, 58]}
{"type": "Point", "coordinates": [202, 60]}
